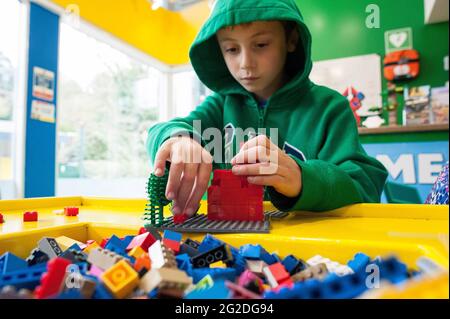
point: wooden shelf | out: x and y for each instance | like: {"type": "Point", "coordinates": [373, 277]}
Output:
{"type": "Point", "coordinates": [403, 129]}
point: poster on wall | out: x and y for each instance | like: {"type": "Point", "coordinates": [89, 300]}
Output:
{"type": "Point", "coordinates": [43, 111]}
{"type": "Point", "coordinates": [417, 105]}
{"type": "Point", "coordinates": [43, 84]}
{"type": "Point", "coordinates": [415, 164]}
{"type": "Point", "coordinates": [360, 74]}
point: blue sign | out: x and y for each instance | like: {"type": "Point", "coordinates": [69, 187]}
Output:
{"type": "Point", "coordinates": [416, 164]}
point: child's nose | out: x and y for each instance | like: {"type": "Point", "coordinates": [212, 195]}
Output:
{"type": "Point", "coordinates": [247, 60]}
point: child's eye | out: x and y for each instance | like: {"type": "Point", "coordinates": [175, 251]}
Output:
{"type": "Point", "coordinates": [262, 45]}
{"type": "Point", "coordinates": [231, 50]}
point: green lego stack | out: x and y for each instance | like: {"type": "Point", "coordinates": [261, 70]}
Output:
{"type": "Point", "coordinates": [156, 188]}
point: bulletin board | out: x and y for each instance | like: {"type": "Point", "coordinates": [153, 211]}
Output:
{"type": "Point", "coordinates": [361, 72]}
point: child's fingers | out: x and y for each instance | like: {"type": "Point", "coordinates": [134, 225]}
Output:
{"type": "Point", "coordinates": [186, 185]}
{"type": "Point", "coordinates": [261, 140]}
{"type": "Point", "coordinates": [160, 161]}
{"type": "Point", "coordinates": [201, 185]}
{"type": "Point", "coordinates": [173, 183]}
{"type": "Point", "coordinates": [256, 169]}
{"type": "Point", "coordinates": [255, 154]}
{"type": "Point", "coordinates": [271, 180]}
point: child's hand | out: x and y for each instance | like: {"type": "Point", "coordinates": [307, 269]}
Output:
{"type": "Point", "coordinates": [266, 164]}
{"type": "Point", "coordinates": [189, 174]}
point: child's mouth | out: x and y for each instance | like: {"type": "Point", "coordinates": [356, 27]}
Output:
{"type": "Point", "coordinates": [249, 79]}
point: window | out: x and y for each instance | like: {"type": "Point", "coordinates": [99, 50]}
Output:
{"type": "Point", "coordinates": [12, 37]}
{"type": "Point", "coordinates": [107, 101]}
{"type": "Point", "coordinates": [189, 92]}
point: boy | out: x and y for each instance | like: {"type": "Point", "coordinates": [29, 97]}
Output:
{"type": "Point", "coordinates": [256, 56]}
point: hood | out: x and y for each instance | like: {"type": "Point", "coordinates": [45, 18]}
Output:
{"type": "Point", "coordinates": [206, 56]}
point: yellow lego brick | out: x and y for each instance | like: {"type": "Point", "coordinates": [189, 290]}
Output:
{"type": "Point", "coordinates": [65, 242]}
{"type": "Point", "coordinates": [88, 249]}
{"type": "Point", "coordinates": [120, 279]}
{"type": "Point", "coordinates": [136, 252]}
{"type": "Point", "coordinates": [218, 264]}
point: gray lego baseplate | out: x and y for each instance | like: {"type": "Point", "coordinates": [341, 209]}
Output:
{"type": "Point", "coordinates": [201, 224]}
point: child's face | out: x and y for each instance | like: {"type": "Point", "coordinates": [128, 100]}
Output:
{"type": "Point", "coordinates": [255, 55]}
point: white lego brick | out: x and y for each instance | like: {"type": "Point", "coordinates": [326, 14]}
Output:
{"type": "Point", "coordinates": [270, 278]}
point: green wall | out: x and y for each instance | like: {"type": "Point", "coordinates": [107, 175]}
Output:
{"type": "Point", "coordinates": [339, 30]}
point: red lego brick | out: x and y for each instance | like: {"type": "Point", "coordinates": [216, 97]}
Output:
{"type": "Point", "coordinates": [30, 217]}
{"type": "Point", "coordinates": [1, 219]}
{"type": "Point", "coordinates": [179, 218]}
{"type": "Point", "coordinates": [104, 242]}
{"type": "Point", "coordinates": [279, 273]}
{"type": "Point", "coordinates": [144, 241]}
{"type": "Point", "coordinates": [52, 280]}
{"type": "Point", "coordinates": [71, 211]}
{"type": "Point", "coordinates": [231, 197]}
{"type": "Point", "coordinates": [172, 244]}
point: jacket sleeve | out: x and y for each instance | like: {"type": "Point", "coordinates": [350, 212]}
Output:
{"type": "Point", "coordinates": [342, 174]}
{"type": "Point", "coordinates": [209, 114]}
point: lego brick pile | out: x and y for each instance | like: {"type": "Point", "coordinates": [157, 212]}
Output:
{"type": "Point", "coordinates": [149, 265]}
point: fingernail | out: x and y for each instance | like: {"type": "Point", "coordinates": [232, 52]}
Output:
{"type": "Point", "coordinates": [175, 210]}
{"type": "Point", "coordinates": [170, 196]}
{"type": "Point", "coordinates": [158, 171]}
{"type": "Point", "coordinates": [236, 169]}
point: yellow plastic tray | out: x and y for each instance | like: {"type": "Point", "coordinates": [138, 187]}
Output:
{"type": "Point", "coordinates": [406, 231]}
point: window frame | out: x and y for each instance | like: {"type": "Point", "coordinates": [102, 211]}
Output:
{"type": "Point", "coordinates": [17, 124]}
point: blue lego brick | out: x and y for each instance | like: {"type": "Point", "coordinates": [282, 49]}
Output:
{"type": "Point", "coordinates": [216, 273]}
{"type": "Point", "coordinates": [74, 246]}
{"type": "Point", "coordinates": [127, 240]}
{"type": "Point", "coordinates": [83, 267]}
{"type": "Point", "coordinates": [101, 292]}
{"type": "Point", "coordinates": [209, 242]}
{"type": "Point", "coordinates": [218, 291]}
{"type": "Point", "coordinates": [393, 270]}
{"type": "Point", "coordinates": [27, 278]}
{"type": "Point", "coordinates": [116, 245]}
{"type": "Point", "coordinates": [332, 287]}
{"type": "Point", "coordinates": [238, 263]}
{"type": "Point", "coordinates": [270, 259]}
{"type": "Point", "coordinates": [293, 265]}
{"type": "Point", "coordinates": [359, 262]}
{"type": "Point", "coordinates": [360, 96]}
{"type": "Point", "coordinates": [10, 262]}
{"type": "Point", "coordinates": [251, 251]}
{"type": "Point", "coordinates": [184, 263]}
{"type": "Point", "coordinates": [69, 294]}
{"type": "Point", "coordinates": [345, 287]}
{"type": "Point", "coordinates": [153, 294]}
{"type": "Point", "coordinates": [308, 289]}
{"type": "Point", "coordinates": [168, 234]}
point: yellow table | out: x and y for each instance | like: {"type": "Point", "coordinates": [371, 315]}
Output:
{"type": "Point", "coordinates": [407, 231]}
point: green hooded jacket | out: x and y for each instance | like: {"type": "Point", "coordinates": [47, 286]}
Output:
{"type": "Point", "coordinates": [315, 124]}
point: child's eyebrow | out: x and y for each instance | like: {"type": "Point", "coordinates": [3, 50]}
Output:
{"type": "Point", "coordinates": [253, 36]}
